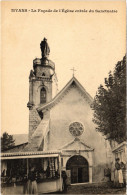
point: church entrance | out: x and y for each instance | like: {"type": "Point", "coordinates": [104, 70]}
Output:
{"type": "Point", "coordinates": [79, 168]}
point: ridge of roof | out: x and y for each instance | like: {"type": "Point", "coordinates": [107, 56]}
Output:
{"type": "Point", "coordinates": [73, 79]}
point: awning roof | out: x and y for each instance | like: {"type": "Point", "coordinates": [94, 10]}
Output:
{"type": "Point", "coordinates": [24, 155]}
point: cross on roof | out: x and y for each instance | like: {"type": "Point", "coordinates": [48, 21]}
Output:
{"type": "Point", "coordinates": [73, 69]}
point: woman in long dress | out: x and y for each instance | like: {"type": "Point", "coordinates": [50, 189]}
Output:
{"type": "Point", "coordinates": [123, 167]}
{"type": "Point", "coordinates": [118, 180]}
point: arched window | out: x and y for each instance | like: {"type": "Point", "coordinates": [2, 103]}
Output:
{"type": "Point", "coordinates": [43, 95]}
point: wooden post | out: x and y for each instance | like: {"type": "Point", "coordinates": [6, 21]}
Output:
{"type": "Point", "coordinates": [60, 173]}
{"type": "Point", "coordinates": [27, 162]}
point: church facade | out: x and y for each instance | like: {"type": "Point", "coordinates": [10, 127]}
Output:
{"type": "Point", "coordinates": [62, 122]}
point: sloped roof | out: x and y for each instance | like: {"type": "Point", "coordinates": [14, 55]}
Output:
{"type": "Point", "coordinates": [20, 138]}
{"type": "Point", "coordinates": [38, 136]}
{"type": "Point", "coordinates": [60, 94]}
{"type": "Point", "coordinates": [17, 148]}
{"type": "Point", "coordinates": [119, 146]}
{"type": "Point", "coordinates": [77, 144]}
{"type": "Point", "coordinates": [33, 154]}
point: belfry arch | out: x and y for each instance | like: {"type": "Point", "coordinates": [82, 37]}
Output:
{"type": "Point", "coordinates": [79, 168]}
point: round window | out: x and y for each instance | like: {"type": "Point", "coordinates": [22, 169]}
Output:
{"type": "Point", "coordinates": [76, 129]}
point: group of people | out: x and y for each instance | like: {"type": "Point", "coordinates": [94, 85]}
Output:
{"type": "Point", "coordinates": [117, 173]}
{"type": "Point", "coordinates": [119, 179]}
{"type": "Point", "coordinates": [30, 186]}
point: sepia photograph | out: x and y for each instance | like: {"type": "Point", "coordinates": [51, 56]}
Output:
{"type": "Point", "coordinates": [63, 97]}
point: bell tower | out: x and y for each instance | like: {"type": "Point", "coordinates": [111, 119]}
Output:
{"type": "Point", "coordinates": [42, 78]}
{"type": "Point", "coordinates": [42, 86]}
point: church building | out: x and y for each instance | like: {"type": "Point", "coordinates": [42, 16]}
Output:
{"type": "Point", "coordinates": [62, 121]}
{"type": "Point", "coordinates": [62, 135]}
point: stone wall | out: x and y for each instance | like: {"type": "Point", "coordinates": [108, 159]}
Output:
{"type": "Point", "coordinates": [34, 121]}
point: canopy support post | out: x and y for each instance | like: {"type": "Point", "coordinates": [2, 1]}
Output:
{"type": "Point", "coordinates": [27, 162]}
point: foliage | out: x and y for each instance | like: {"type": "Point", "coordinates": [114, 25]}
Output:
{"type": "Point", "coordinates": [109, 104]}
{"type": "Point", "coordinates": [7, 141]}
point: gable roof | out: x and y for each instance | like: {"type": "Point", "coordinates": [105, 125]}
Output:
{"type": "Point", "coordinates": [77, 144]}
{"type": "Point", "coordinates": [73, 81]}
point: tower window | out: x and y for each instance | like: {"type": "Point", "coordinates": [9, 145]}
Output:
{"type": "Point", "coordinates": [43, 74]}
{"type": "Point", "coordinates": [43, 95]}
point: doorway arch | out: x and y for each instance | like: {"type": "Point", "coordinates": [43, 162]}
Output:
{"type": "Point", "coordinates": [79, 168]}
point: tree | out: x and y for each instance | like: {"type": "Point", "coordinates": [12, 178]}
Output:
{"type": "Point", "coordinates": [109, 104]}
{"type": "Point", "coordinates": [7, 141]}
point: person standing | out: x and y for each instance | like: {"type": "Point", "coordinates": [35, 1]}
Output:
{"type": "Point", "coordinates": [107, 173]}
{"type": "Point", "coordinates": [123, 167]}
{"type": "Point", "coordinates": [64, 176]}
{"type": "Point", "coordinates": [112, 171]}
{"type": "Point", "coordinates": [118, 180]}
{"type": "Point", "coordinates": [31, 183]}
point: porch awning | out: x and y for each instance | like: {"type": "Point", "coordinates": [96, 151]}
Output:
{"type": "Point", "coordinates": [25, 155]}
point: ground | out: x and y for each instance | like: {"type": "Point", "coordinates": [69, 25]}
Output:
{"type": "Point", "coordinates": [95, 190]}
{"type": "Point", "coordinates": [104, 188]}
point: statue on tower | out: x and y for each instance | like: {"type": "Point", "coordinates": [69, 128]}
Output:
{"type": "Point", "coordinates": [45, 50]}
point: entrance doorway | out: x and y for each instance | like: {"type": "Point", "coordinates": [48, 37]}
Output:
{"type": "Point", "coordinates": [79, 168]}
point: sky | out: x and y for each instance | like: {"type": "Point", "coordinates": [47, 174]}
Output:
{"type": "Point", "coordinates": [91, 42]}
